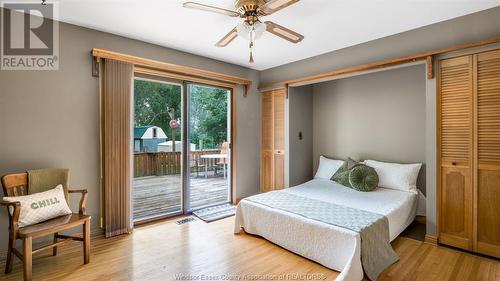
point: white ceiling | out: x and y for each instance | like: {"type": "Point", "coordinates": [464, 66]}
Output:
{"type": "Point", "coordinates": [327, 25]}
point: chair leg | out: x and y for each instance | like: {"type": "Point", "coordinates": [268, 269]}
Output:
{"type": "Point", "coordinates": [86, 242]}
{"type": "Point", "coordinates": [54, 250]}
{"type": "Point", "coordinates": [8, 262]}
{"type": "Point", "coordinates": [27, 258]}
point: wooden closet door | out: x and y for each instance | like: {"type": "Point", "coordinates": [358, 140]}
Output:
{"type": "Point", "coordinates": [279, 139]}
{"type": "Point", "coordinates": [266, 162]}
{"type": "Point", "coordinates": [487, 226]}
{"type": "Point", "coordinates": [455, 151]}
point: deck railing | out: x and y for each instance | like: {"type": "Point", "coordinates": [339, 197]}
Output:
{"type": "Point", "coordinates": [168, 163]}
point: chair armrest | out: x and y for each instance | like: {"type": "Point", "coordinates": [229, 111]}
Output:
{"type": "Point", "coordinates": [9, 203]}
{"type": "Point", "coordinates": [83, 200]}
{"type": "Point", "coordinates": [14, 217]}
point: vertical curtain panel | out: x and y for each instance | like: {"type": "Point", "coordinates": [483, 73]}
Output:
{"type": "Point", "coordinates": [116, 94]}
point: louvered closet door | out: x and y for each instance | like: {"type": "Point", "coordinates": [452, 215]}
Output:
{"type": "Point", "coordinates": [266, 165]}
{"type": "Point", "coordinates": [455, 102]}
{"type": "Point", "coordinates": [488, 153]}
{"type": "Point", "coordinates": [279, 139]}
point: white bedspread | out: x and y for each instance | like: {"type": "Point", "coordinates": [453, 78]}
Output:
{"type": "Point", "coordinates": [334, 247]}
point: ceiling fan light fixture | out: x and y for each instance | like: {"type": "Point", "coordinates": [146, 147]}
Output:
{"type": "Point", "coordinates": [251, 32]}
{"type": "Point", "coordinates": [252, 28]}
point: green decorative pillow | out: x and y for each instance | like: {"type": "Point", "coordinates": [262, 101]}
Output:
{"type": "Point", "coordinates": [363, 178]}
{"type": "Point", "coordinates": [342, 174]}
{"type": "Point", "coordinates": [357, 176]}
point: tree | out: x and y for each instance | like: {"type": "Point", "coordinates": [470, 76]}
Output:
{"type": "Point", "coordinates": [207, 112]}
{"type": "Point", "coordinates": [152, 101]}
{"type": "Point", "coordinates": [208, 115]}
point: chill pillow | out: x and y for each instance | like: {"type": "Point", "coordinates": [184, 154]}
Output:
{"type": "Point", "coordinates": [41, 206]}
{"type": "Point", "coordinates": [327, 167]}
{"type": "Point", "coordinates": [396, 176]}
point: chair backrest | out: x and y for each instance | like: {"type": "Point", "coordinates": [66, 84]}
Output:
{"type": "Point", "coordinates": [19, 184]}
{"type": "Point", "coordinates": [224, 149]}
{"type": "Point", "coordinates": [41, 180]}
{"type": "Point", "coordinates": [15, 184]}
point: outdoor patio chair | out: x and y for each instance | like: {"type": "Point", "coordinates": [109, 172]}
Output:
{"type": "Point", "coordinates": [221, 163]}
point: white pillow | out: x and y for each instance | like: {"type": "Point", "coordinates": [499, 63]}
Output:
{"type": "Point", "coordinates": [396, 176]}
{"type": "Point", "coordinates": [41, 206]}
{"type": "Point", "coordinates": [327, 167]}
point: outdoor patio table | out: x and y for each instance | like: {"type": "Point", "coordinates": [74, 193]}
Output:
{"type": "Point", "coordinates": [213, 156]}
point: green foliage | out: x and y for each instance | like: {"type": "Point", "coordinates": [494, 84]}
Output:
{"type": "Point", "coordinates": [208, 111]}
{"type": "Point", "coordinates": [152, 100]}
{"type": "Point", "coordinates": [208, 116]}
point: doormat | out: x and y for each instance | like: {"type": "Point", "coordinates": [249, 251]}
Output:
{"type": "Point", "coordinates": [216, 212]}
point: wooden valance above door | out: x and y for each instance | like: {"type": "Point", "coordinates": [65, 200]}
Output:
{"type": "Point", "coordinates": [144, 65]}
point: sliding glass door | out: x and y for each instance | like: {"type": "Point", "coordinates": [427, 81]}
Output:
{"type": "Point", "coordinates": [208, 147]}
{"type": "Point", "coordinates": [157, 148]}
{"type": "Point", "coordinates": [173, 174]}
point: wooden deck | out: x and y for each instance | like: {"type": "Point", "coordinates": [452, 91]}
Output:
{"type": "Point", "coordinates": [161, 195]}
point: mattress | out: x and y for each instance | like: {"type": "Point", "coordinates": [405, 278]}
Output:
{"type": "Point", "coordinates": [332, 246]}
{"type": "Point", "coordinates": [398, 206]}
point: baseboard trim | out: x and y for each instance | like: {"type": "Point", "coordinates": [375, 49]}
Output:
{"type": "Point", "coordinates": [430, 239]}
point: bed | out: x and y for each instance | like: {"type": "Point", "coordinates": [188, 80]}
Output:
{"type": "Point", "coordinates": [335, 247]}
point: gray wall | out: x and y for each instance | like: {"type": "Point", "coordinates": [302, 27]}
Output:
{"type": "Point", "coordinates": [50, 118]}
{"type": "Point", "coordinates": [377, 116]}
{"type": "Point", "coordinates": [300, 119]}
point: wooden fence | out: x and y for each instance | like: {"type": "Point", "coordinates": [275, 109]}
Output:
{"type": "Point", "coordinates": [168, 163]}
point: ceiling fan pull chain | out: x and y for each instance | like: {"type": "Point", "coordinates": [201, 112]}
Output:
{"type": "Point", "coordinates": [251, 55]}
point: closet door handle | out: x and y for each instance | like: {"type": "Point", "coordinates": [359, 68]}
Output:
{"type": "Point", "coordinates": [454, 163]}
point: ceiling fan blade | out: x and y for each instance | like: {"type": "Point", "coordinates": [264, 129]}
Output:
{"type": "Point", "coordinates": [228, 38]}
{"type": "Point", "coordinates": [203, 7]}
{"type": "Point", "coordinates": [283, 32]}
{"type": "Point", "coordinates": [272, 6]}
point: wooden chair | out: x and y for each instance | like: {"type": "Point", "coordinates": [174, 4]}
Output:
{"type": "Point", "coordinates": [17, 185]}
{"type": "Point", "coordinates": [222, 162]}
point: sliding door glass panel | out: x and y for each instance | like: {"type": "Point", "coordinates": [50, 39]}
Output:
{"type": "Point", "coordinates": [208, 146]}
{"type": "Point", "coordinates": [157, 145]}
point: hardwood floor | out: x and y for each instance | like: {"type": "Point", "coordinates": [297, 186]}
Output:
{"type": "Point", "coordinates": [163, 250]}
{"type": "Point", "coordinates": [161, 195]}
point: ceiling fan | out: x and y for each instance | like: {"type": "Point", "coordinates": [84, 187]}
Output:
{"type": "Point", "coordinates": [252, 27]}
